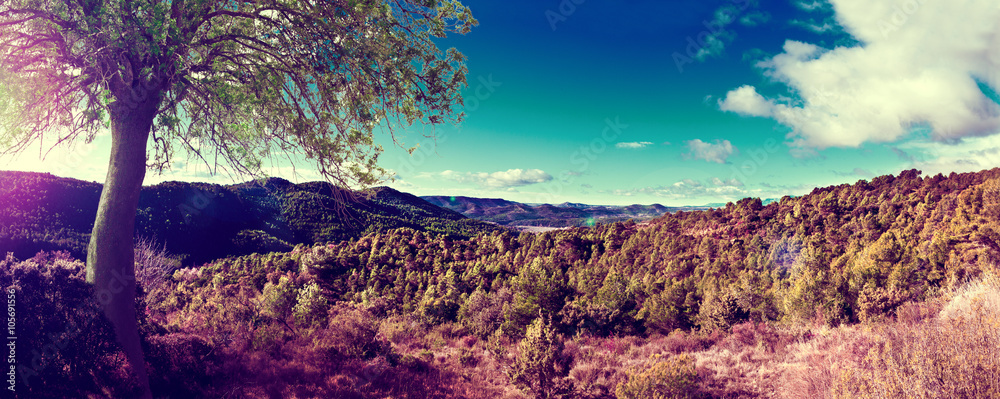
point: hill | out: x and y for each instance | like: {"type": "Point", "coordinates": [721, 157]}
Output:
{"type": "Point", "coordinates": [567, 214]}
{"type": "Point", "coordinates": [201, 222]}
{"type": "Point", "coordinates": [848, 291]}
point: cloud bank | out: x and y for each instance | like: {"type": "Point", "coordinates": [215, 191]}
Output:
{"type": "Point", "coordinates": [690, 191]}
{"type": "Point", "coordinates": [920, 64]}
{"type": "Point", "coordinates": [507, 179]}
{"type": "Point", "coordinates": [634, 144]}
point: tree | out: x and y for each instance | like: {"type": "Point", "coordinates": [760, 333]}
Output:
{"type": "Point", "coordinates": [231, 83]}
{"type": "Point", "coordinates": [540, 362]}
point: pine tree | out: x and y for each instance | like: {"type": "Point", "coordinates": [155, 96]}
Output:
{"type": "Point", "coordinates": [540, 364]}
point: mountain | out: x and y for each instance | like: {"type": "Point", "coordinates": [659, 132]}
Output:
{"type": "Point", "coordinates": [747, 286]}
{"type": "Point", "coordinates": [201, 222]}
{"type": "Point", "coordinates": [886, 276]}
{"type": "Point", "coordinates": [839, 255]}
{"type": "Point", "coordinates": [567, 214]}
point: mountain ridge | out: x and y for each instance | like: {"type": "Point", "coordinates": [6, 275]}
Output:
{"type": "Point", "coordinates": [203, 221]}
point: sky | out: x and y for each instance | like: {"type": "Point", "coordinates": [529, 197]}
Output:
{"type": "Point", "coordinates": [687, 102]}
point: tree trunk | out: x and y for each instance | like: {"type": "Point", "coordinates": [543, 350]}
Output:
{"type": "Point", "coordinates": [110, 254]}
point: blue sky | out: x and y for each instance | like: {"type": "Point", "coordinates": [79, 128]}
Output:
{"type": "Point", "coordinates": [691, 102]}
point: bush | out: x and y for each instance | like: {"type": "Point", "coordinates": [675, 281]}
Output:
{"type": "Point", "coordinates": [673, 378]}
{"type": "Point", "coordinates": [181, 365]}
{"type": "Point", "coordinates": [311, 306]}
{"type": "Point", "coordinates": [352, 333]}
{"type": "Point", "coordinates": [65, 345]}
{"type": "Point", "coordinates": [279, 298]}
{"type": "Point", "coordinates": [483, 312]}
{"type": "Point", "coordinates": [153, 264]}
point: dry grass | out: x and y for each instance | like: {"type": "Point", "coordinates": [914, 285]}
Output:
{"type": "Point", "coordinates": [953, 355]}
{"type": "Point", "coordinates": [745, 364]}
{"type": "Point", "coordinates": [946, 348]}
{"type": "Point", "coordinates": [813, 365]}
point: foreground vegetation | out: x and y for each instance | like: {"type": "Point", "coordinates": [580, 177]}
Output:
{"type": "Point", "coordinates": [886, 288]}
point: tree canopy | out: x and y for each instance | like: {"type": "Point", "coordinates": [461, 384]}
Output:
{"type": "Point", "coordinates": [234, 82]}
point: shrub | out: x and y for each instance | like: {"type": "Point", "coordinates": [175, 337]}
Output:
{"type": "Point", "coordinates": [402, 330]}
{"type": "Point", "coordinates": [268, 338]}
{"type": "Point", "coordinates": [153, 264]}
{"type": "Point", "coordinates": [539, 363]}
{"type": "Point", "coordinates": [311, 306]}
{"type": "Point", "coordinates": [673, 378]}
{"type": "Point", "coordinates": [181, 365]}
{"type": "Point", "coordinates": [467, 357]}
{"type": "Point", "coordinates": [279, 298]}
{"type": "Point", "coordinates": [721, 312]}
{"type": "Point", "coordinates": [65, 345]}
{"type": "Point", "coordinates": [353, 332]}
{"type": "Point", "coordinates": [483, 312]}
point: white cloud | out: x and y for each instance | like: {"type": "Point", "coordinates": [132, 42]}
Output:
{"type": "Point", "coordinates": [690, 191]}
{"type": "Point", "coordinates": [506, 179]}
{"type": "Point", "coordinates": [712, 41]}
{"type": "Point", "coordinates": [859, 172]}
{"type": "Point", "coordinates": [917, 66]}
{"type": "Point", "coordinates": [718, 151]}
{"type": "Point", "coordinates": [746, 101]}
{"type": "Point", "coordinates": [713, 47]}
{"type": "Point", "coordinates": [634, 144]}
{"type": "Point", "coordinates": [971, 155]}
{"type": "Point", "coordinates": [755, 18]}
{"type": "Point", "coordinates": [812, 5]}
{"type": "Point", "coordinates": [816, 27]}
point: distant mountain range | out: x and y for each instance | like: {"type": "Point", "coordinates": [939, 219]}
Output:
{"type": "Point", "coordinates": [566, 214]}
{"type": "Point", "coordinates": [201, 222]}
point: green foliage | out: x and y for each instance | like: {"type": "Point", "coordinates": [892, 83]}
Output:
{"type": "Point", "coordinates": [721, 311]}
{"type": "Point", "coordinates": [537, 288]}
{"type": "Point", "coordinates": [259, 241]}
{"type": "Point", "coordinates": [279, 298]}
{"type": "Point", "coordinates": [671, 378]}
{"type": "Point", "coordinates": [540, 363]}
{"type": "Point", "coordinates": [311, 306]}
{"type": "Point", "coordinates": [665, 311]}
{"type": "Point", "coordinates": [482, 313]}
{"type": "Point", "coordinates": [228, 79]}
{"type": "Point", "coordinates": [708, 270]}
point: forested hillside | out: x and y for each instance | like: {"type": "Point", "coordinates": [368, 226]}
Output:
{"type": "Point", "coordinates": [201, 222]}
{"type": "Point", "coordinates": [838, 293]}
{"type": "Point", "coordinates": [851, 252]}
